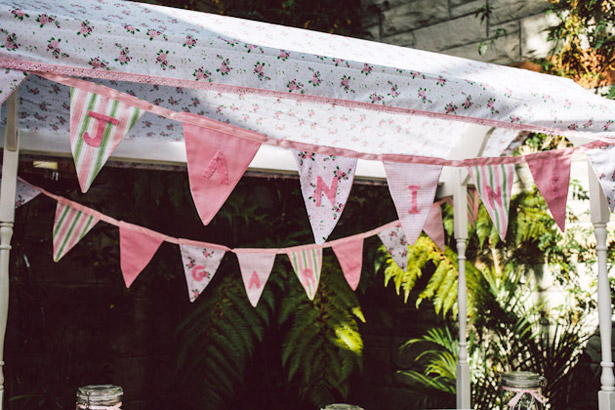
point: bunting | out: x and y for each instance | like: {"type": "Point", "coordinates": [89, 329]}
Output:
{"type": "Point", "coordinates": [255, 270]}
{"type": "Point", "coordinates": [552, 177]}
{"type": "Point", "coordinates": [350, 256]}
{"type": "Point", "coordinates": [307, 264]}
{"type": "Point", "coordinates": [433, 227]}
{"type": "Point", "coordinates": [326, 181]}
{"type": "Point", "coordinates": [413, 188]}
{"type": "Point", "coordinates": [97, 125]}
{"type": "Point", "coordinates": [494, 184]}
{"type": "Point", "coordinates": [137, 247]}
{"type": "Point", "coordinates": [603, 162]}
{"type": "Point", "coordinates": [200, 266]}
{"type": "Point", "coordinates": [69, 227]}
{"type": "Point", "coordinates": [394, 240]}
{"type": "Point", "coordinates": [473, 205]}
{"type": "Point", "coordinates": [24, 193]}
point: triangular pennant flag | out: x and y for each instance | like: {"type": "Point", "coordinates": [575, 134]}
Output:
{"type": "Point", "coordinates": [200, 266]}
{"type": "Point", "coordinates": [433, 226]}
{"type": "Point", "coordinates": [24, 193]}
{"type": "Point", "coordinates": [255, 270]}
{"type": "Point", "coordinates": [552, 176]}
{"type": "Point", "coordinates": [97, 125]}
{"type": "Point", "coordinates": [350, 256]}
{"type": "Point", "coordinates": [413, 188]}
{"type": "Point", "coordinates": [69, 226]}
{"type": "Point", "coordinates": [394, 239]}
{"type": "Point", "coordinates": [494, 184]}
{"type": "Point", "coordinates": [216, 162]}
{"type": "Point", "coordinates": [326, 181]}
{"type": "Point", "coordinates": [473, 205]}
{"type": "Point", "coordinates": [603, 162]}
{"type": "Point", "coordinates": [137, 247]}
{"type": "Point", "coordinates": [307, 264]}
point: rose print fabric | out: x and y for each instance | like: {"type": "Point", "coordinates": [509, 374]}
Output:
{"type": "Point", "coordinates": [69, 227]}
{"type": "Point", "coordinates": [307, 264]}
{"type": "Point", "coordinates": [200, 266]}
{"type": "Point", "coordinates": [326, 181]}
{"type": "Point", "coordinates": [255, 271]}
{"type": "Point", "coordinates": [603, 161]}
{"type": "Point", "coordinates": [24, 193]}
{"type": "Point", "coordinates": [394, 240]}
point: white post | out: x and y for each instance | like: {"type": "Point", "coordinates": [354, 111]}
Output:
{"type": "Point", "coordinates": [600, 214]}
{"type": "Point", "coordinates": [7, 217]}
{"type": "Point", "coordinates": [460, 201]}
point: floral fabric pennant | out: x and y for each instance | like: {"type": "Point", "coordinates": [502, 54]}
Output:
{"type": "Point", "coordinates": [326, 181]}
{"type": "Point", "coordinates": [97, 125]}
{"type": "Point", "coordinates": [494, 185]}
{"type": "Point", "coordinates": [433, 227]}
{"type": "Point", "coordinates": [603, 162]}
{"type": "Point", "coordinates": [216, 162]}
{"type": "Point", "coordinates": [255, 270]}
{"type": "Point", "coordinates": [394, 239]}
{"type": "Point", "coordinates": [413, 188]}
{"type": "Point", "coordinates": [552, 177]}
{"type": "Point", "coordinates": [69, 226]}
{"type": "Point", "coordinates": [200, 266]}
{"type": "Point", "coordinates": [307, 264]}
{"type": "Point", "coordinates": [137, 247]}
{"type": "Point", "coordinates": [350, 256]}
{"type": "Point", "coordinates": [24, 193]}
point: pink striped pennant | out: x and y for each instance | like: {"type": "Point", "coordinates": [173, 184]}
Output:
{"type": "Point", "coordinates": [97, 125]}
{"type": "Point", "coordinates": [200, 266]}
{"type": "Point", "coordinates": [307, 264]}
{"type": "Point", "coordinates": [494, 184]}
{"type": "Point", "coordinates": [69, 227]}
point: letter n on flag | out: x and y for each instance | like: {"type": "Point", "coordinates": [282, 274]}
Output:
{"type": "Point", "coordinates": [255, 270]}
{"type": "Point", "coordinates": [216, 163]}
{"type": "Point", "coordinates": [137, 247]}
{"type": "Point", "coordinates": [603, 163]}
{"type": "Point", "coordinates": [69, 226]}
{"type": "Point", "coordinates": [326, 181]}
{"type": "Point", "coordinates": [350, 256]}
{"type": "Point", "coordinates": [494, 185]}
{"type": "Point", "coordinates": [552, 176]}
{"type": "Point", "coordinates": [307, 264]}
{"type": "Point", "coordinates": [200, 266]}
{"type": "Point", "coordinates": [97, 125]}
{"type": "Point", "coordinates": [413, 188]}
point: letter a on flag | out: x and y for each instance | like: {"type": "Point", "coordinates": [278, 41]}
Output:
{"type": "Point", "coordinates": [69, 226]}
{"type": "Point", "coordinates": [552, 177]}
{"type": "Point", "coordinates": [137, 247]}
{"type": "Point", "coordinates": [255, 270]}
{"type": "Point", "coordinates": [326, 181]}
{"type": "Point", "coordinates": [200, 266]}
{"type": "Point", "coordinates": [216, 162]}
{"type": "Point", "coordinates": [350, 256]}
{"type": "Point", "coordinates": [97, 125]}
{"type": "Point", "coordinates": [603, 162]}
{"type": "Point", "coordinates": [394, 239]}
{"type": "Point", "coordinates": [307, 264]}
{"type": "Point", "coordinates": [413, 188]}
{"type": "Point", "coordinates": [494, 185]}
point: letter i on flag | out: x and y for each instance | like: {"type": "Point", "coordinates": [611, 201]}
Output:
{"type": "Point", "coordinates": [394, 239]}
{"type": "Point", "coordinates": [307, 264]}
{"type": "Point", "coordinates": [603, 162]}
{"type": "Point", "coordinates": [200, 266]}
{"type": "Point", "coordinates": [255, 270]}
{"type": "Point", "coordinates": [494, 185]}
{"type": "Point", "coordinates": [69, 226]}
{"type": "Point", "coordinates": [97, 125]}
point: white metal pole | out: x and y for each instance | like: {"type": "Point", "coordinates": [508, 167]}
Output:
{"type": "Point", "coordinates": [460, 201]}
{"type": "Point", "coordinates": [600, 214]}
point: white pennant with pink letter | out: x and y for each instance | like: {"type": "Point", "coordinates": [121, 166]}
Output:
{"type": "Point", "coordinates": [494, 184]}
{"type": "Point", "coordinates": [200, 266]}
{"type": "Point", "coordinates": [413, 188]}
{"type": "Point", "coordinates": [216, 163]}
{"type": "Point", "coordinates": [97, 125]}
{"type": "Point", "coordinates": [433, 226]}
{"type": "Point", "coordinates": [326, 181]}
{"type": "Point", "coordinates": [603, 162]}
{"type": "Point", "coordinates": [255, 270]}
{"type": "Point", "coordinates": [350, 256]}
{"type": "Point", "coordinates": [307, 264]}
{"type": "Point", "coordinates": [137, 247]}
{"type": "Point", "coordinates": [394, 240]}
{"type": "Point", "coordinates": [552, 176]}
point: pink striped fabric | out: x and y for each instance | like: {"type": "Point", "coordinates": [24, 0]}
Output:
{"type": "Point", "coordinates": [473, 205]}
{"type": "Point", "coordinates": [255, 271]}
{"type": "Point", "coordinates": [69, 226]}
{"type": "Point", "coordinates": [307, 264]}
{"type": "Point", "coordinates": [200, 266]}
{"type": "Point", "coordinates": [494, 184]}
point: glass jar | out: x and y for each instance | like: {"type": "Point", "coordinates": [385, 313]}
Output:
{"type": "Point", "coordinates": [522, 391]}
{"type": "Point", "coordinates": [342, 406]}
{"type": "Point", "coordinates": [99, 397]}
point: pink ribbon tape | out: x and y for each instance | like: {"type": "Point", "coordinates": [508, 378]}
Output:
{"type": "Point", "coordinates": [535, 393]}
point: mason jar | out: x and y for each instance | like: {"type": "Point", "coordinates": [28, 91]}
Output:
{"type": "Point", "coordinates": [522, 391]}
{"type": "Point", "coordinates": [99, 397]}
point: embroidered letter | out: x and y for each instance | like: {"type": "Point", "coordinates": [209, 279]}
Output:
{"type": "Point", "coordinates": [198, 273]}
{"type": "Point", "coordinates": [494, 195]}
{"type": "Point", "coordinates": [329, 191]}
{"type": "Point", "coordinates": [217, 165]}
{"type": "Point", "coordinates": [555, 186]}
{"type": "Point", "coordinates": [102, 121]}
{"type": "Point", "coordinates": [254, 281]}
{"type": "Point", "coordinates": [414, 190]}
